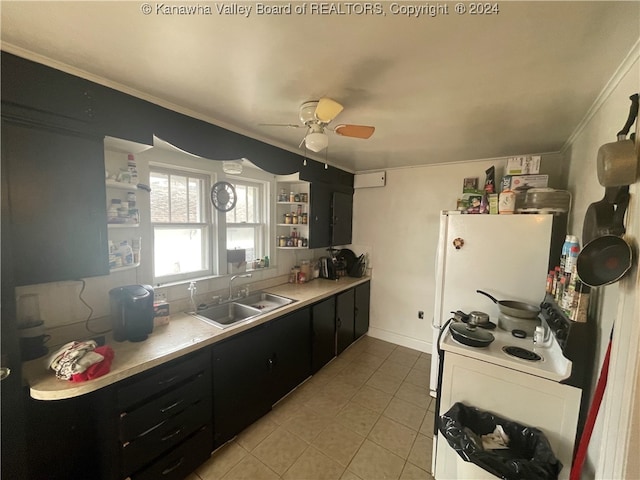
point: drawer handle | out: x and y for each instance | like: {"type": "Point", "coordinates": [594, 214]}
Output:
{"type": "Point", "coordinates": [173, 405]}
{"type": "Point", "coordinates": [168, 380]}
{"type": "Point", "coordinates": [171, 435]}
{"type": "Point", "coordinates": [167, 471]}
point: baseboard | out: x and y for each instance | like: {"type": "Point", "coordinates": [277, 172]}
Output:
{"type": "Point", "coordinates": [391, 337]}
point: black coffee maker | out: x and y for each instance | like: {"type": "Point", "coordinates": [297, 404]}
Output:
{"type": "Point", "coordinates": [132, 312]}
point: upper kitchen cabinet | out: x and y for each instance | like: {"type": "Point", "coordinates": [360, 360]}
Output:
{"type": "Point", "coordinates": [331, 215]}
{"type": "Point", "coordinates": [342, 216]}
{"type": "Point", "coordinates": [58, 222]}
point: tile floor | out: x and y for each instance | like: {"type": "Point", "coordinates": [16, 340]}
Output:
{"type": "Point", "coordinates": [367, 415]}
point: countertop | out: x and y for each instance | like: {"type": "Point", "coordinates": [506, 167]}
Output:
{"type": "Point", "coordinates": [182, 335]}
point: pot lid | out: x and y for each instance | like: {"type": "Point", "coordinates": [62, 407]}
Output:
{"type": "Point", "coordinates": [472, 333]}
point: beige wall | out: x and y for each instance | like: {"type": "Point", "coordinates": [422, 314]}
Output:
{"type": "Point", "coordinates": [618, 303]}
{"type": "Point", "coordinates": [399, 224]}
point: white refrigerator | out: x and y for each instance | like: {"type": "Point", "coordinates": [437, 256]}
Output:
{"type": "Point", "coordinates": [504, 255]}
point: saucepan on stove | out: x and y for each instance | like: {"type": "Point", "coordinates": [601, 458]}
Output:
{"type": "Point", "coordinates": [513, 308]}
{"type": "Point", "coordinates": [470, 335]}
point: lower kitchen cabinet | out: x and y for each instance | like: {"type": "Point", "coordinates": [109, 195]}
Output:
{"type": "Point", "coordinates": [239, 382]}
{"type": "Point", "coordinates": [255, 369]}
{"type": "Point", "coordinates": [290, 359]}
{"type": "Point", "coordinates": [164, 422]}
{"type": "Point", "coordinates": [363, 297]}
{"type": "Point", "coordinates": [345, 321]}
{"type": "Point", "coordinates": [323, 333]}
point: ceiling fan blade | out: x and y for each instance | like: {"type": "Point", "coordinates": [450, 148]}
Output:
{"type": "Point", "coordinates": [290, 125]}
{"type": "Point", "coordinates": [327, 110]}
{"type": "Point", "coordinates": [356, 131]}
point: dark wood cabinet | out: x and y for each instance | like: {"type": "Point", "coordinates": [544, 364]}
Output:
{"type": "Point", "coordinates": [240, 377]}
{"type": "Point", "coordinates": [320, 221]}
{"type": "Point", "coordinates": [58, 222]}
{"type": "Point", "coordinates": [290, 357]}
{"type": "Point", "coordinates": [331, 216]}
{"type": "Point", "coordinates": [362, 299]}
{"type": "Point", "coordinates": [323, 333]}
{"type": "Point", "coordinates": [342, 217]}
{"type": "Point", "coordinates": [255, 369]}
{"type": "Point", "coordinates": [166, 410]}
{"type": "Point", "coordinates": [345, 310]}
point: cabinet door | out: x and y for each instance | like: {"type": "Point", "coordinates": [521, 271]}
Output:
{"type": "Point", "coordinates": [345, 305]}
{"type": "Point", "coordinates": [320, 216]}
{"type": "Point", "coordinates": [363, 294]}
{"type": "Point", "coordinates": [323, 333]}
{"type": "Point", "coordinates": [289, 359]}
{"type": "Point", "coordinates": [240, 380]}
{"type": "Point", "coordinates": [57, 203]}
{"type": "Point", "coordinates": [342, 214]}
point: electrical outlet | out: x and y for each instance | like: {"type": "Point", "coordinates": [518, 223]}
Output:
{"type": "Point", "coordinates": [420, 314]}
{"type": "Point", "coordinates": [159, 297]}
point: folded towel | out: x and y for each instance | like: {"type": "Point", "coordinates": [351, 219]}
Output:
{"type": "Point", "coordinates": [65, 362]}
{"type": "Point", "coordinates": [97, 369]}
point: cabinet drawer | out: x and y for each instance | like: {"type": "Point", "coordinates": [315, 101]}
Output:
{"type": "Point", "coordinates": [181, 461]}
{"type": "Point", "coordinates": [162, 378]}
{"type": "Point", "coordinates": [143, 418]}
{"type": "Point", "coordinates": [165, 436]}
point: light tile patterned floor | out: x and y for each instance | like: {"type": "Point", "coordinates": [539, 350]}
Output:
{"type": "Point", "coordinates": [367, 415]}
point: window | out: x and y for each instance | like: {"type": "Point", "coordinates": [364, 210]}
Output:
{"type": "Point", "coordinates": [182, 229]}
{"type": "Point", "coordinates": [246, 226]}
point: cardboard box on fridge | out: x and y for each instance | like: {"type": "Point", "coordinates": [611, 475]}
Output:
{"type": "Point", "coordinates": [519, 183]}
{"type": "Point", "coordinates": [161, 313]}
{"type": "Point", "coordinates": [523, 165]}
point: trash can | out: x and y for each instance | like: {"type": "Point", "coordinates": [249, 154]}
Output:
{"type": "Point", "coordinates": [525, 455]}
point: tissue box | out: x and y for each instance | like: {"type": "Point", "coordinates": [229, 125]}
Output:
{"type": "Point", "coordinates": [523, 165]}
{"type": "Point", "coordinates": [524, 182]}
{"type": "Point", "coordinates": [161, 313]}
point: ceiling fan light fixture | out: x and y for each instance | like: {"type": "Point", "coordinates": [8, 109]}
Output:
{"type": "Point", "coordinates": [316, 141]}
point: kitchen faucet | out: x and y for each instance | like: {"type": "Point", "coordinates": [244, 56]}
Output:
{"type": "Point", "coordinates": [192, 292]}
{"type": "Point", "coordinates": [245, 275]}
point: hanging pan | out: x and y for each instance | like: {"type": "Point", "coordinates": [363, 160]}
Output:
{"type": "Point", "coordinates": [598, 218]}
{"type": "Point", "coordinates": [607, 258]}
{"type": "Point", "coordinates": [618, 161]}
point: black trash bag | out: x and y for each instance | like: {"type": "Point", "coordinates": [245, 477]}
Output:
{"type": "Point", "coordinates": [529, 455]}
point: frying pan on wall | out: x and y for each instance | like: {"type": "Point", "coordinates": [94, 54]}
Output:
{"type": "Point", "coordinates": [599, 217]}
{"type": "Point", "coordinates": [608, 257]}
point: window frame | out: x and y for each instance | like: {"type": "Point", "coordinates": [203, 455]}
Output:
{"type": "Point", "coordinates": [261, 228]}
{"type": "Point", "coordinates": [209, 227]}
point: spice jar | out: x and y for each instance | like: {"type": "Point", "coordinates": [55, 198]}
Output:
{"type": "Point", "coordinates": [580, 303]}
{"type": "Point", "coordinates": [304, 197]}
{"type": "Point", "coordinates": [287, 218]}
{"type": "Point", "coordinates": [294, 217]}
{"type": "Point", "coordinates": [305, 218]}
{"type": "Point", "coordinates": [296, 197]}
{"type": "Point", "coordinates": [292, 197]}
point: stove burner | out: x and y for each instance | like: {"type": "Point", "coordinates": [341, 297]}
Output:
{"type": "Point", "coordinates": [522, 353]}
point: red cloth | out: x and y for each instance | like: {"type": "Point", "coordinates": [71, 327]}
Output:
{"type": "Point", "coordinates": [97, 369]}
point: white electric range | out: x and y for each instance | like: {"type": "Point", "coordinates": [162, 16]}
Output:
{"type": "Point", "coordinates": [543, 390]}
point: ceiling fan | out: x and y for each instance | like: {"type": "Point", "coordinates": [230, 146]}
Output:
{"type": "Point", "coordinates": [316, 116]}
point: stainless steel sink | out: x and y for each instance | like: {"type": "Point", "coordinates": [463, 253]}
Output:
{"type": "Point", "coordinates": [227, 314]}
{"type": "Point", "coordinates": [265, 302]}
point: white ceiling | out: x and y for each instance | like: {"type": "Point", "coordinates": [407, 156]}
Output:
{"type": "Point", "coordinates": [438, 89]}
